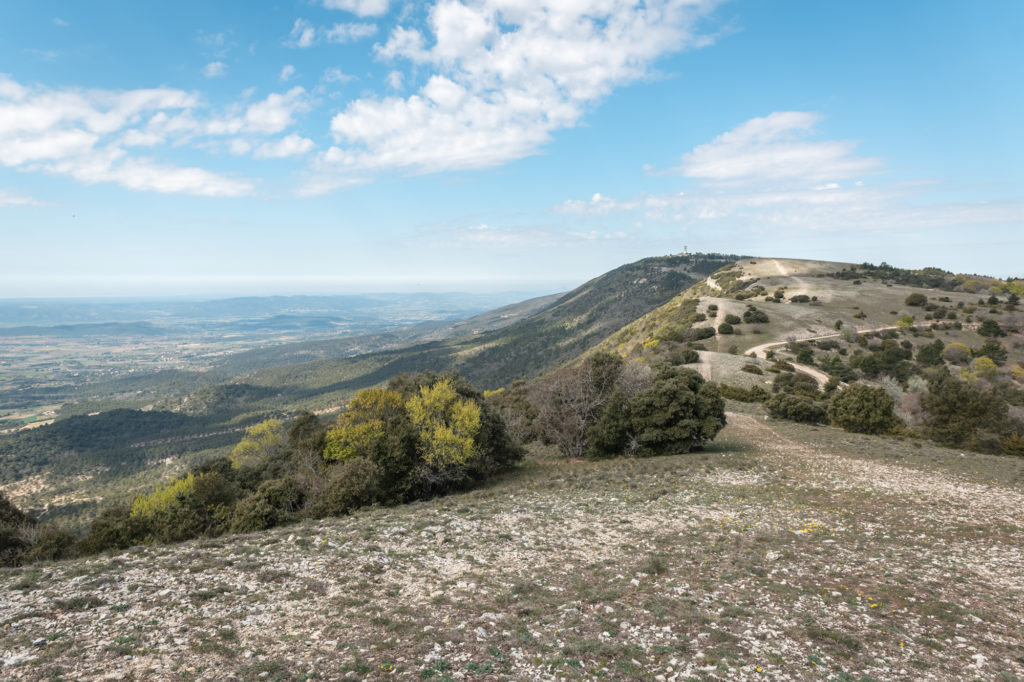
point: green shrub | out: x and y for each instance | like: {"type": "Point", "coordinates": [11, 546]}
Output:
{"type": "Point", "coordinates": [725, 328]}
{"type": "Point", "coordinates": [956, 353]}
{"type": "Point", "coordinates": [683, 356]}
{"type": "Point", "coordinates": [307, 433]}
{"type": "Point", "coordinates": [755, 316]}
{"type": "Point", "coordinates": [862, 409]}
{"type": "Point", "coordinates": [993, 350]}
{"type": "Point", "coordinates": [754, 394]}
{"type": "Point", "coordinates": [354, 483]}
{"type": "Point", "coordinates": [283, 494]}
{"type": "Point", "coordinates": [699, 334]}
{"type": "Point", "coordinates": [991, 328]}
{"type": "Point", "coordinates": [610, 435]}
{"type": "Point", "coordinates": [796, 383]}
{"type": "Point", "coordinates": [752, 369]}
{"type": "Point", "coordinates": [16, 528]}
{"type": "Point", "coordinates": [930, 354]}
{"type": "Point", "coordinates": [800, 298]}
{"type": "Point", "coordinates": [795, 408]}
{"type": "Point", "coordinates": [51, 543]}
{"type": "Point", "coordinates": [114, 528]}
{"type": "Point", "coordinates": [959, 413]}
{"type": "Point", "coordinates": [1013, 445]}
{"type": "Point", "coordinates": [732, 319]}
{"type": "Point", "coordinates": [679, 412]}
{"type": "Point", "coordinates": [916, 299]}
{"type": "Point", "coordinates": [254, 513]}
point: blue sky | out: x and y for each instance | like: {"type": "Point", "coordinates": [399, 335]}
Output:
{"type": "Point", "coordinates": [317, 146]}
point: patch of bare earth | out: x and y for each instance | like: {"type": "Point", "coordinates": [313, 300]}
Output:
{"type": "Point", "coordinates": [772, 555]}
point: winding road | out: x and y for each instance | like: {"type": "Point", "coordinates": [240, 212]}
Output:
{"type": "Point", "coordinates": [821, 377]}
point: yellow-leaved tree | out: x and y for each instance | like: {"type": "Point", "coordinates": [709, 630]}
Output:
{"type": "Point", "coordinates": [259, 442]}
{"type": "Point", "coordinates": [447, 423]}
{"type": "Point", "coordinates": [162, 499]}
{"type": "Point", "coordinates": [363, 427]}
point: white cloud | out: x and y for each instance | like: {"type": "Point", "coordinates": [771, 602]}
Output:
{"type": "Point", "coordinates": [774, 148]}
{"type": "Point", "coordinates": [239, 147]}
{"type": "Point", "coordinates": [303, 34]}
{"type": "Point", "coordinates": [504, 238]}
{"type": "Point", "coordinates": [292, 145]}
{"type": "Point", "coordinates": [395, 80]}
{"type": "Point", "coordinates": [14, 199]}
{"type": "Point", "coordinates": [20, 149]}
{"type": "Point", "coordinates": [336, 75]}
{"type": "Point", "coordinates": [598, 205]}
{"type": "Point", "coordinates": [145, 175]}
{"type": "Point", "coordinates": [363, 8]}
{"type": "Point", "coordinates": [215, 70]}
{"type": "Point", "coordinates": [57, 21]}
{"type": "Point", "coordinates": [275, 113]}
{"type": "Point", "coordinates": [84, 134]}
{"type": "Point", "coordinates": [348, 33]}
{"type": "Point", "coordinates": [287, 72]}
{"type": "Point", "coordinates": [506, 75]}
{"type": "Point", "coordinates": [764, 173]}
{"type": "Point", "coordinates": [266, 117]}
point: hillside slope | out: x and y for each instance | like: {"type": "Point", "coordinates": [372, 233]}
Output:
{"type": "Point", "coordinates": [817, 300]}
{"type": "Point", "coordinates": [571, 325]}
{"type": "Point", "coordinates": [781, 552]}
{"type": "Point", "coordinates": [515, 342]}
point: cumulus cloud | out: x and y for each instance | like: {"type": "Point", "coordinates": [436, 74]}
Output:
{"type": "Point", "coordinates": [266, 117]}
{"type": "Point", "coordinates": [292, 145]}
{"type": "Point", "coordinates": [363, 8]}
{"type": "Point", "coordinates": [287, 72]}
{"type": "Point", "coordinates": [215, 69]}
{"type": "Point", "coordinates": [504, 76]}
{"type": "Point", "coordinates": [89, 135]}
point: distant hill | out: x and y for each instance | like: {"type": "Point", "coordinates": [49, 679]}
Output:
{"type": "Point", "coordinates": [562, 330]}
{"type": "Point", "coordinates": [88, 329]}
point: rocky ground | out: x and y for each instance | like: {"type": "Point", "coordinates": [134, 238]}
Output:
{"type": "Point", "coordinates": [783, 552]}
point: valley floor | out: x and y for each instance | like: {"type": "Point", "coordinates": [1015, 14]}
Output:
{"type": "Point", "coordinates": [782, 552]}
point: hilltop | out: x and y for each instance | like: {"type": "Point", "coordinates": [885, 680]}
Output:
{"type": "Point", "coordinates": [816, 300]}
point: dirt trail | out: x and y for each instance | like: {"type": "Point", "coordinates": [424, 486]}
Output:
{"type": "Point", "coordinates": [819, 376]}
{"type": "Point", "coordinates": [759, 351]}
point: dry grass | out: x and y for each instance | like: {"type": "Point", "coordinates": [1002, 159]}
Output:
{"type": "Point", "coordinates": [782, 552]}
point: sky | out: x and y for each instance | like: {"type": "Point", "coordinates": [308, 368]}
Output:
{"type": "Point", "coordinates": [335, 146]}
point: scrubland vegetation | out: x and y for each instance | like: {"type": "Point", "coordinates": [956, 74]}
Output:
{"type": "Point", "coordinates": [625, 419]}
